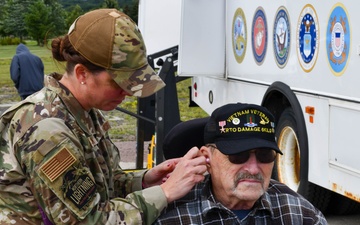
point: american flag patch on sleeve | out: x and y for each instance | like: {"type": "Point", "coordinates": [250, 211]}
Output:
{"type": "Point", "coordinates": [58, 164]}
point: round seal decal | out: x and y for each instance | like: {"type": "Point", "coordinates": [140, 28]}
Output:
{"type": "Point", "coordinates": [308, 38]}
{"type": "Point", "coordinates": [338, 39]}
{"type": "Point", "coordinates": [281, 38]}
{"type": "Point", "coordinates": [239, 35]}
{"type": "Point", "coordinates": [259, 35]}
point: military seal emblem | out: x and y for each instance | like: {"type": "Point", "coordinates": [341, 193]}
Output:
{"type": "Point", "coordinates": [239, 33]}
{"type": "Point", "coordinates": [281, 37]}
{"type": "Point", "coordinates": [259, 35]}
{"type": "Point", "coordinates": [308, 38]}
{"type": "Point", "coordinates": [338, 39]}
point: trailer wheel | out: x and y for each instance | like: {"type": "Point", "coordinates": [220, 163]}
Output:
{"type": "Point", "coordinates": [287, 166]}
{"type": "Point", "coordinates": [291, 167]}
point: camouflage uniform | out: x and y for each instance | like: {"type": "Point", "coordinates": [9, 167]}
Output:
{"type": "Point", "coordinates": [58, 166]}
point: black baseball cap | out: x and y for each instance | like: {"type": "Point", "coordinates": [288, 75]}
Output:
{"type": "Point", "coordinates": [239, 127]}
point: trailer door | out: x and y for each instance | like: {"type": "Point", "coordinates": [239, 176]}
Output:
{"type": "Point", "coordinates": [202, 38]}
{"type": "Point", "coordinates": [159, 22]}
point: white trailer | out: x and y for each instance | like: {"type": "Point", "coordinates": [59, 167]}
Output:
{"type": "Point", "coordinates": [300, 59]}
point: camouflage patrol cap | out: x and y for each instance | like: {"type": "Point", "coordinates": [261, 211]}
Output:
{"type": "Point", "coordinates": [110, 39]}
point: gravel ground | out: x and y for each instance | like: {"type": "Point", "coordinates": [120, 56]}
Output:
{"type": "Point", "coordinates": [128, 154]}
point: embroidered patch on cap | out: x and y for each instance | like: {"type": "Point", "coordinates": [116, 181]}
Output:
{"type": "Point", "coordinates": [239, 127]}
{"type": "Point", "coordinates": [58, 164]}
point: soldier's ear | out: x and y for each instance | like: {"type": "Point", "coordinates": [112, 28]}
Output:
{"type": "Point", "coordinates": [81, 73]}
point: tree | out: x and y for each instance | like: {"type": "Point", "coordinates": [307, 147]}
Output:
{"type": "Point", "coordinates": [2, 16]}
{"type": "Point", "coordinates": [111, 4]}
{"type": "Point", "coordinates": [57, 17]}
{"type": "Point", "coordinates": [37, 21]}
{"type": "Point", "coordinates": [132, 10]}
{"type": "Point", "coordinates": [45, 21]}
{"type": "Point", "coordinates": [13, 21]}
{"type": "Point", "coordinates": [73, 15]}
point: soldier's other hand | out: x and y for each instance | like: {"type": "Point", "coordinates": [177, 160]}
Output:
{"type": "Point", "coordinates": [159, 173]}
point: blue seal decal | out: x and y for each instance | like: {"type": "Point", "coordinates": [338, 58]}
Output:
{"type": "Point", "coordinates": [239, 35]}
{"type": "Point", "coordinates": [338, 39]}
{"type": "Point", "coordinates": [281, 37]}
{"type": "Point", "coordinates": [308, 38]}
{"type": "Point", "coordinates": [259, 35]}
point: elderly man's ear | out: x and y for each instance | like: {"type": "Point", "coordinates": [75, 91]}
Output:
{"type": "Point", "coordinates": [206, 152]}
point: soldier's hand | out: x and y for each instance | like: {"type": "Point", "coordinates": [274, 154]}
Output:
{"type": "Point", "coordinates": [188, 171]}
{"type": "Point", "coordinates": [159, 173]}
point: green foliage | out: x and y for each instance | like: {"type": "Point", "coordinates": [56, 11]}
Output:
{"type": "Point", "coordinates": [13, 17]}
{"type": "Point", "coordinates": [73, 15]}
{"type": "Point", "coordinates": [110, 4]}
{"type": "Point", "coordinates": [2, 16]}
{"type": "Point", "coordinates": [57, 14]}
{"type": "Point", "coordinates": [132, 10]}
{"type": "Point", "coordinates": [45, 21]}
{"type": "Point", "coordinates": [130, 7]}
{"type": "Point", "coordinates": [42, 20]}
{"type": "Point", "coordinates": [11, 41]}
{"type": "Point", "coordinates": [38, 21]}
{"type": "Point", "coordinates": [86, 5]}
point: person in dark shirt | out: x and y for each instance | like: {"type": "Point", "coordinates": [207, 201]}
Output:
{"type": "Point", "coordinates": [26, 71]}
{"type": "Point", "coordinates": [240, 148]}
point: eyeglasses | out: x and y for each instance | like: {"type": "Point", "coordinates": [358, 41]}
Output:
{"type": "Point", "coordinates": [263, 155]}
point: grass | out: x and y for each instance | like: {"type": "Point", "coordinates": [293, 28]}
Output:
{"type": "Point", "coordinates": [123, 125]}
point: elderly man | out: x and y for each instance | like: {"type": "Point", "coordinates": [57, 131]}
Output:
{"type": "Point", "coordinates": [240, 150]}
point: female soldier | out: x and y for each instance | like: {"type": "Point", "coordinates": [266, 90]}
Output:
{"type": "Point", "coordinates": [57, 164]}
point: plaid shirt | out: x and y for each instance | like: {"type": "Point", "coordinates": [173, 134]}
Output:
{"type": "Point", "coordinates": [279, 205]}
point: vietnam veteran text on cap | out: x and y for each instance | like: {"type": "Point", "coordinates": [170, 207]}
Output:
{"type": "Point", "coordinates": [238, 127]}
